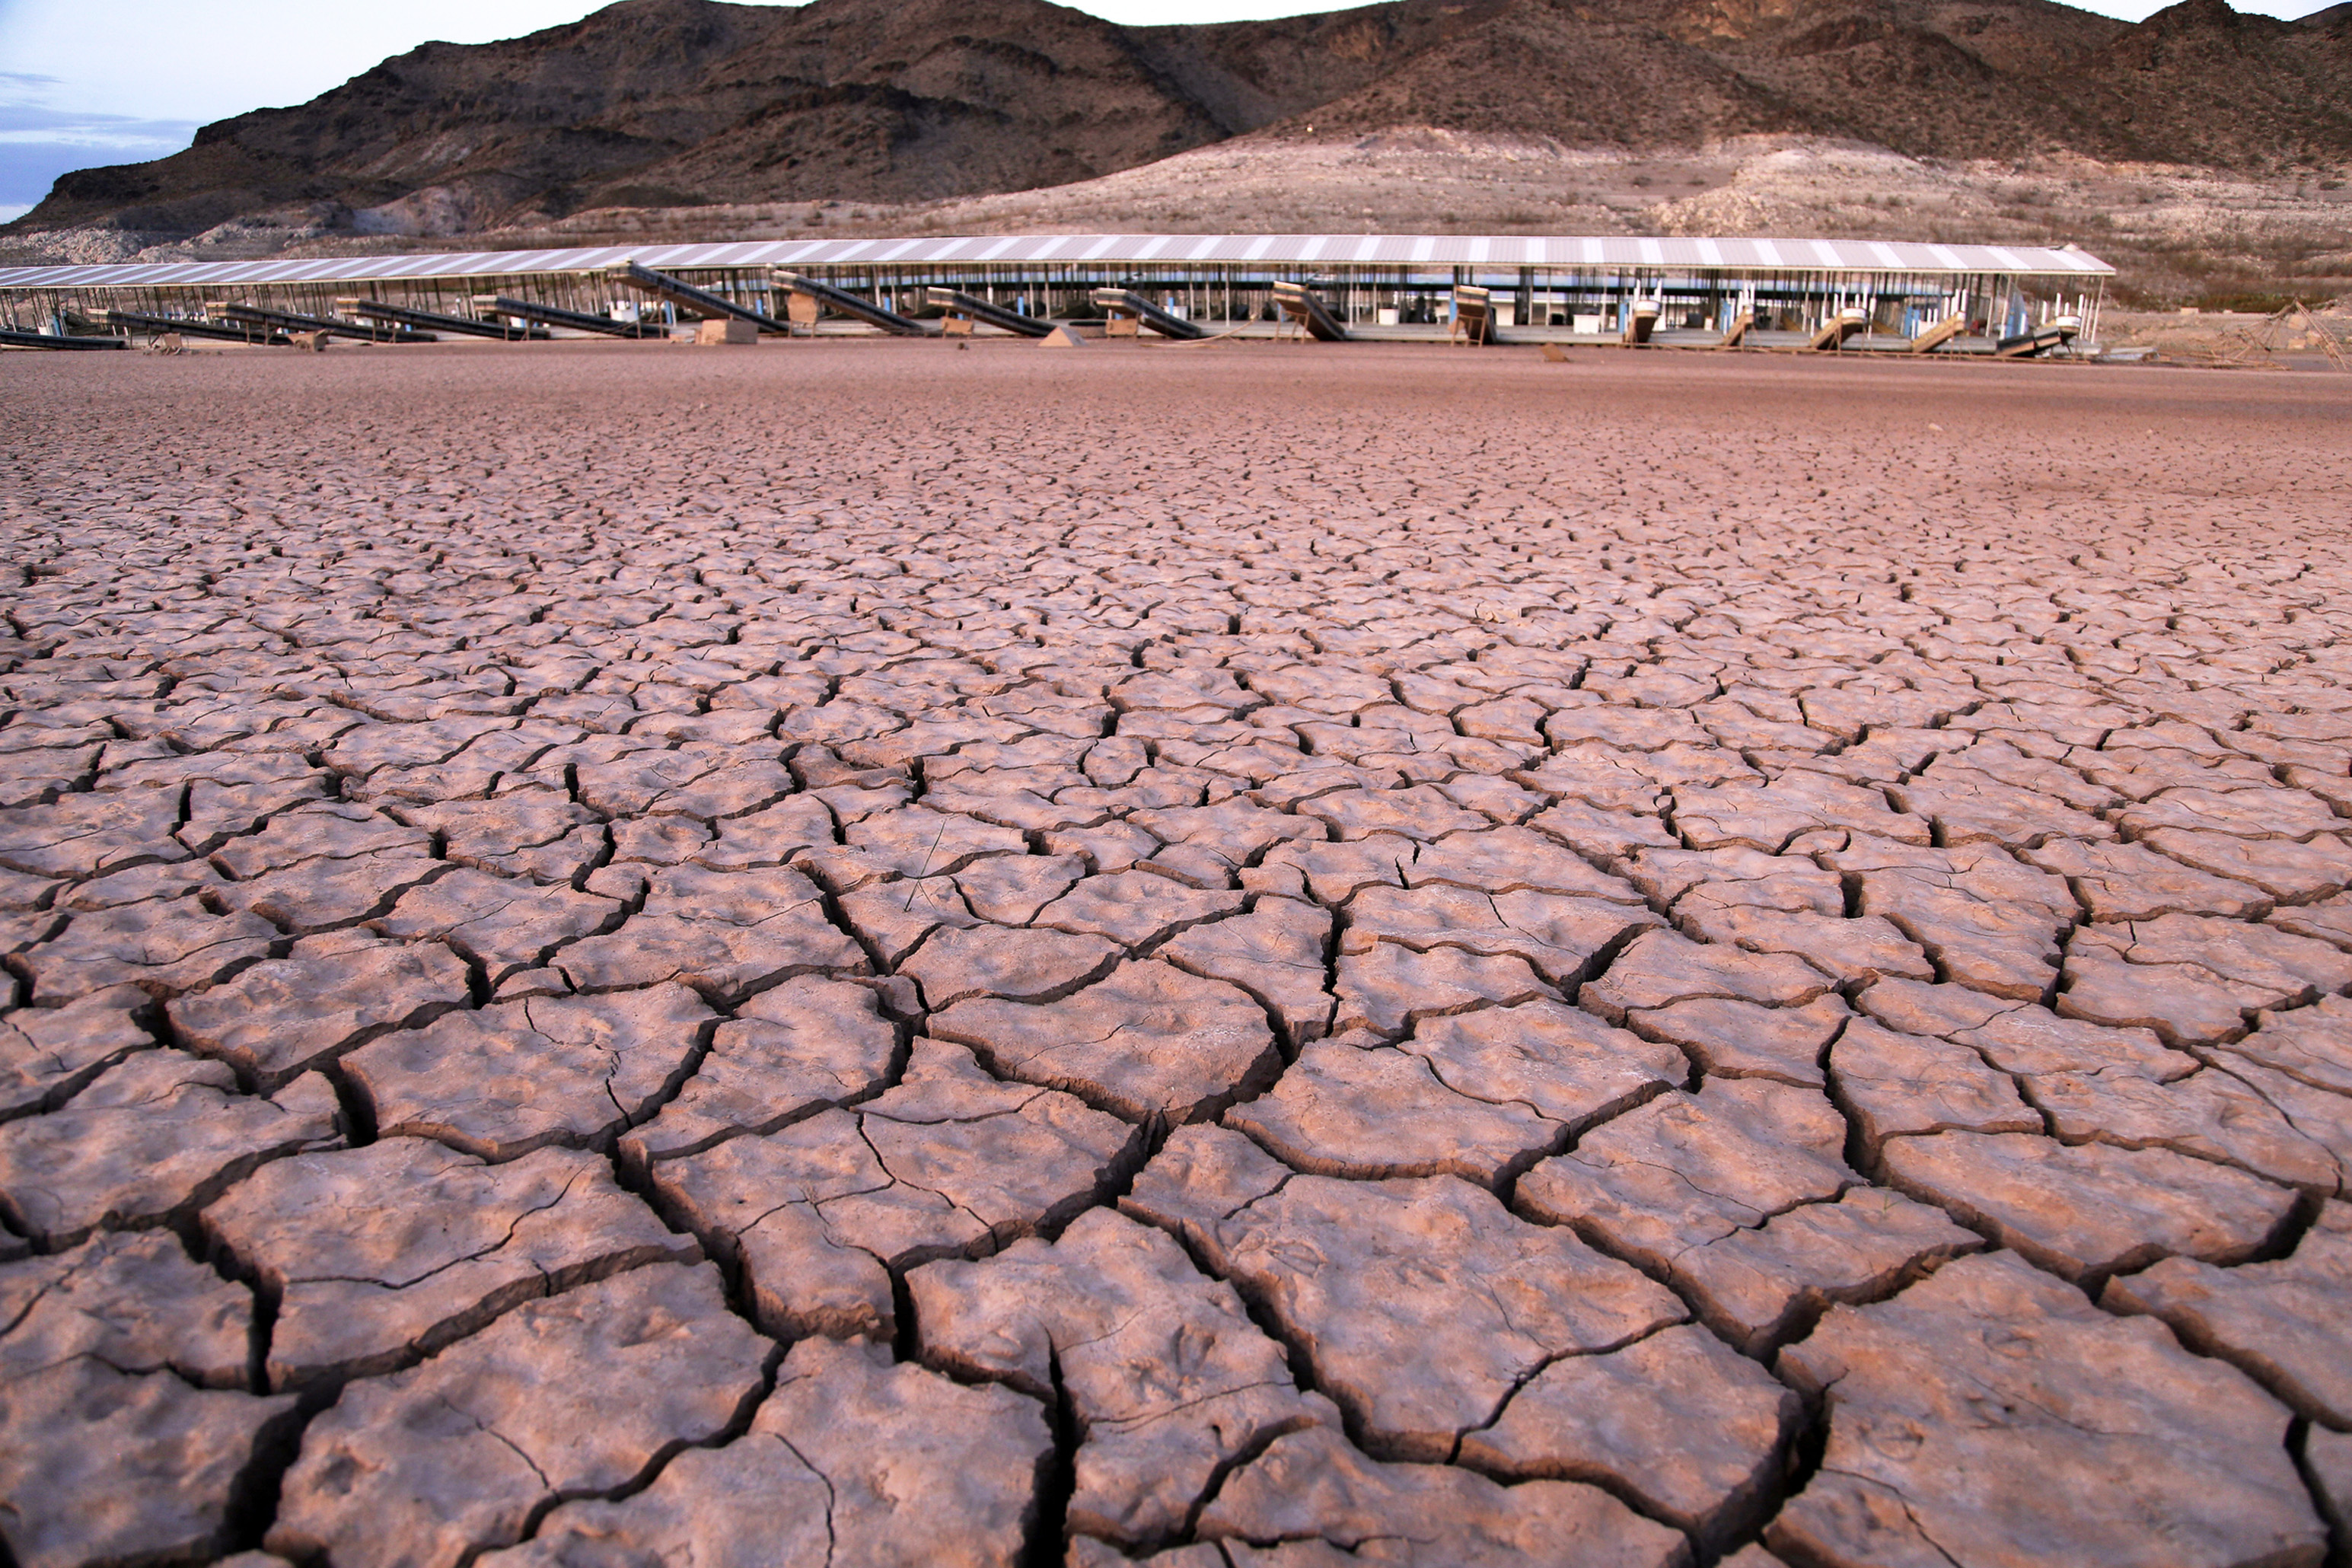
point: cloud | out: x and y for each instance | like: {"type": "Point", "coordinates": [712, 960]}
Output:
{"type": "Point", "coordinates": [39, 142]}
{"type": "Point", "coordinates": [37, 145]}
{"type": "Point", "coordinates": [28, 167]}
{"type": "Point", "coordinates": [36, 122]}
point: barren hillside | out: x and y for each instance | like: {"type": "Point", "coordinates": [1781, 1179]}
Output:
{"type": "Point", "coordinates": [688, 103]}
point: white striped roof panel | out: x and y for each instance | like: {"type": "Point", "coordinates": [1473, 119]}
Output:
{"type": "Point", "coordinates": [1629, 252]}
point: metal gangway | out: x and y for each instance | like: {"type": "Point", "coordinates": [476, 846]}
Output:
{"type": "Point", "coordinates": [1133, 307]}
{"type": "Point", "coordinates": [289, 322]}
{"type": "Point", "coordinates": [11, 337]}
{"type": "Point", "coordinates": [849, 304]}
{"type": "Point", "coordinates": [679, 292]}
{"type": "Point", "coordinates": [974, 309]}
{"type": "Point", "coordinates": [1303, 307]}
{"type": "Point", "coordinates": [193, 327]}
{"type": "Point", "coordinates": [2035, 341]}
{"type": "Point", "coordinates": [434, 322]}
{"type": "Point", "coordinates": [577, 320]}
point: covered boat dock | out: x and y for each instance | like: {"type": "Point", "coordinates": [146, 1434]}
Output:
{"type": "Point", "coordinates": [1684, 292]}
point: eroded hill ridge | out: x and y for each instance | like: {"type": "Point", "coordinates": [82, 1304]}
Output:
{"type": "Point", "coordinates": [679, 103]}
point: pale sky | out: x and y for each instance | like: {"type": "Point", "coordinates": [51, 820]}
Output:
{"type": "Point", "coordinates": [86, 82]}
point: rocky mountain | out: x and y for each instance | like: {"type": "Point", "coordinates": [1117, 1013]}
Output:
{"type": "Point", "coordinates": [676, 103]}
{"type": "Point", "coordinates": [2197, 83]}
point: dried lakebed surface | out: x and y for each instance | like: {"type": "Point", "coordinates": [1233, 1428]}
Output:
{"type": "Point", "coordinates": [1246, 958]}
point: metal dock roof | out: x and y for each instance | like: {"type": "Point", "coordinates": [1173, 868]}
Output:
{"type": "Point", "coordinates": [1620, 252]}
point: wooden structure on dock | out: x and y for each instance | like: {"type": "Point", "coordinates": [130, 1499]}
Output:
{"type": "Point", "coordinates": [1304, 310]}
{"type": "Point", "coordinates": [1474, 315]}
{"type": "Point", "coordinates": [1847, 324]}
{"type": "Point", "coordinates": [1937, 336]}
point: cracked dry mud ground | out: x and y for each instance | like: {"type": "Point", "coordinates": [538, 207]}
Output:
{"type": "Point", "coordinates": [1249, 958]}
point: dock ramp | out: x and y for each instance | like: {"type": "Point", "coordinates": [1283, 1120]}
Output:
{"type": "Point", "coordinates": [1737, 333]}
{"type": "Point", "coordinates": [1304, 307]}
{"type": "Point", "coordinates": [191, 327]}
{"type": "Point", "coordinates": [289, 322]}
{"type": "Point", "coordinates": [11, 337]}
{"type": "Point", "coordinates": [2039, 340]}
{"type": "Point", "coordinates": [849, 304]}
{"type": "Point", "coordinates": [1835, 332]}
{"type": "Point", "coordinates": [1128, 302]}
{"type": "Point", "coordinates": [577, 320]}
{"type": "Point", "coordinates": [679, 292]}
{"type": "Point", "coordinates": [977, 311]}
{"type": "Point", "coordinates": [434, 322]}
{"type": "Point", "coordinates": [1474, 316]}
{"type": "Point", "coordinates": [1937, 336]}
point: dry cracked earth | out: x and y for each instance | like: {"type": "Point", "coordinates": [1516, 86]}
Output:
{"type": "Point", "coordinates": [1249, 956]}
